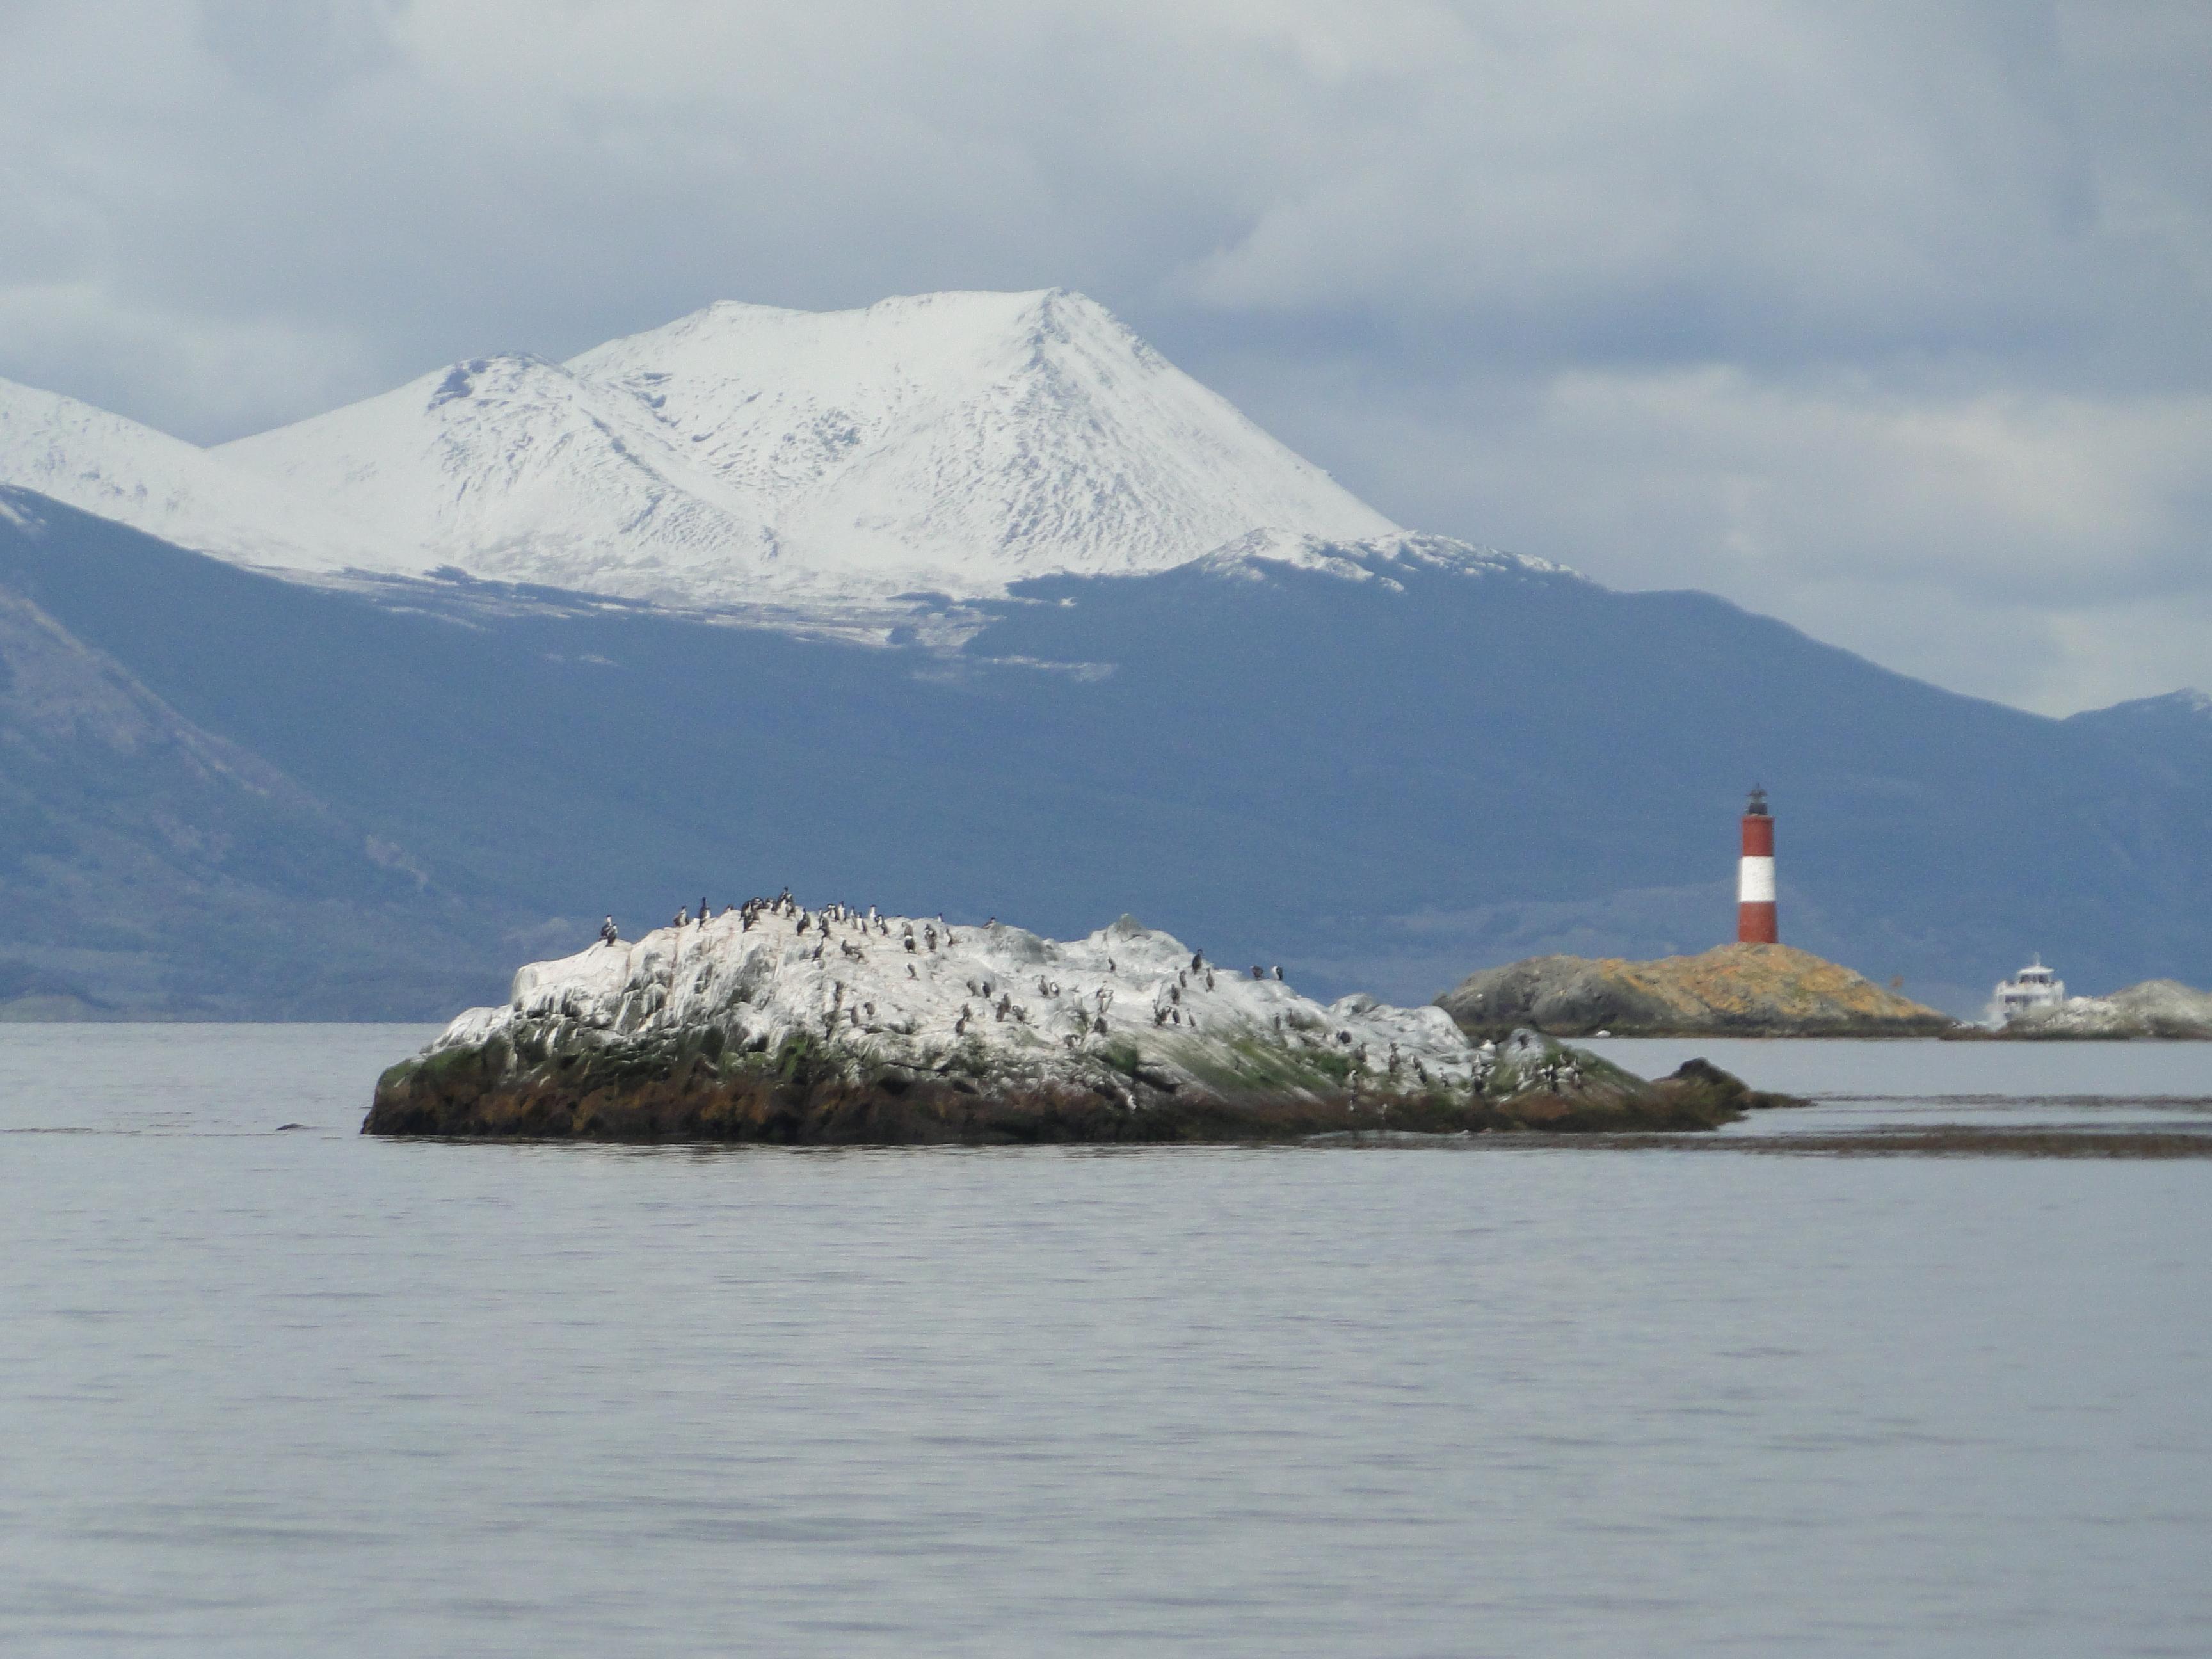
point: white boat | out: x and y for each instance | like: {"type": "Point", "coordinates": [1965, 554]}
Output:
{"type": "Point", "coordinates": [2033, 988]}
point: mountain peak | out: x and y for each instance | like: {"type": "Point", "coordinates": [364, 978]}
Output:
{"type": "Point", "coordinates": [958, 442]}
{"type": "Point", "coordinates": [496, 373]}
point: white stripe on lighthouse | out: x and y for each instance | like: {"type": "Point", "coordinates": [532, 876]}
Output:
{"type": "Point", "coordinates": [1755, 882]}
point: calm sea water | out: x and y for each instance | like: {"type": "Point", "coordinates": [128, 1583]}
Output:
{"type": "Point", "coordinates": [297, 1393]}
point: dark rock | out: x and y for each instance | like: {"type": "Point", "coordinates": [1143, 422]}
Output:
{"type": "Point", "coordinates": [497, 1092]}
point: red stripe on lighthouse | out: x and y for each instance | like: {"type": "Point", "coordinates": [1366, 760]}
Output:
{"type": "Point", "coordinates": [1755, 920]}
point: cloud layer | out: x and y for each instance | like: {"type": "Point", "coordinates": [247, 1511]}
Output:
{"type": "Point", "coordinates": [1887, 319]}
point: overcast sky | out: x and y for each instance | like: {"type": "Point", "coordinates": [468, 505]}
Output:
{"type": "Point", "coordinates": [1892, 320]}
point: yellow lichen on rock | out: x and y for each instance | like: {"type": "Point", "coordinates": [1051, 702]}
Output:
{"type": "Point", "coordinates": [1732, 989]}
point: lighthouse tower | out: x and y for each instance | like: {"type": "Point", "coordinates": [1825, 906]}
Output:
{"type": "Point", "coordinates": [1754, 889]}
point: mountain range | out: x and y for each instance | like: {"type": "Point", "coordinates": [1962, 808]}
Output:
{"type": "Point", "coordinates": [963, 602]}
{"type": "Point", "coordinates": [949, 441]}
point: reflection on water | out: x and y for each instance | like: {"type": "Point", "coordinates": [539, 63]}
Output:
{"type": "Point", "coordinates": [290, 1392]}
{"type": "Point", "coordinates": [2107, 1099]}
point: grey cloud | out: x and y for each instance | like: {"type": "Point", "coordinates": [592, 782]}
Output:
{"type": "Point", "coordinates": [295, 51]}
{"type": "Point", "coordinates": [1863, 315]}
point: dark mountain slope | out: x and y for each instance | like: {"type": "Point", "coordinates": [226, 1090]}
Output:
{"type": "Point", "coordinates": [150, 866]}
{"type": "Point", "coordinates": [2172, 735]}
{"type": "Point", "coordinates": [1382, 783]}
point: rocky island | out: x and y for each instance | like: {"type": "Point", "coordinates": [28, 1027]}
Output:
{"type": "Point", "coordinates": [772, 1021]}
{"type": "Point", "coordinates": [2157, 1008]}
{"type": "Point", "coordinates": [1733, 990]}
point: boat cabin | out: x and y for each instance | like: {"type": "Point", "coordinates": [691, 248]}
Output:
{"type": "Point", "coordinates": [2032, 987]}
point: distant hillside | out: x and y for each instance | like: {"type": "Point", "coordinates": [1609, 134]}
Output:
{"type": "Point", "coordinates": [1381, 764]}
{"type": "Point", "coordinates": [2171, 735]}
{"type": "Point", "coordinates": [1732, 990]}
{"type": "Point", "coordinates": [139, 851]}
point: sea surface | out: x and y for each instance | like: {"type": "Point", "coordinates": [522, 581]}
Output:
{"type": "Point", "coordinates": [269, 1390]}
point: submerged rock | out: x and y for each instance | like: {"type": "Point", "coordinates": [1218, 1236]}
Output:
{"type": "Point", "coordinates": [785, 1024]}
{"type": "Point", "coordinates": [1733, 990]}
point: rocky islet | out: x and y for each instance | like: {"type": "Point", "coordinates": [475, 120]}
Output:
{"type": "Point", "coordinates": [1732, 990]}
{"type": "Point", "coordinates": [773, 1022]}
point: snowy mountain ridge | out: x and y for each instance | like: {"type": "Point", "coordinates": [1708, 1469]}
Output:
{"type": "Point", "coordinates": [1369, 558]}
{"type": "Point", "coordinates": [516, 468]}
{"type": "Point", "coordinates": [950, 442]}
{"type": "Point", "coordinates": [88, 458]}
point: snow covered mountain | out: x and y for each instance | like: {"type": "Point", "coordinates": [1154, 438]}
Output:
{"type": "Point", "coordinates": [952, 441]}
{"type": "Point", "coordinates": [517, 468]}
{"type": "Point", "coordinates": [120, 469]}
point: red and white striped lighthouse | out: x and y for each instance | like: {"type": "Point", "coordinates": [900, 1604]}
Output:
{"type": "Point", "coordinates": [1754, 886]}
